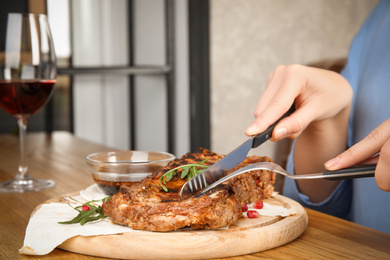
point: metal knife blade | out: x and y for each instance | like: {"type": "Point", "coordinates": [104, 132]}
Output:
{"type": "Point", "coordinates": [219, 169]}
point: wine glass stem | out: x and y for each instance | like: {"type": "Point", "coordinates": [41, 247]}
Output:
{"type": "Point", "coordinates": [22, 170]}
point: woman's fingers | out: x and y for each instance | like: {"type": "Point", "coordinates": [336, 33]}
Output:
{"type": "Point", "coordinates": [269, 115]}
{"type": "Point", "coordinates": [283, 86]}
{"type": "Point", "coordinates": [378, 141]}
{"type": "Point", "coordinates": [311, 89]}
{"type": "Point", "coordinates": [382, 172]}
{"type": "Point", "coordinates": [371, 160]}
{"type": "Point", "coordinates": [362, 150]}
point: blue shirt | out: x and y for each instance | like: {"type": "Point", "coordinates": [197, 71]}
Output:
{"type": "Point", "coordinates": [368, 72]}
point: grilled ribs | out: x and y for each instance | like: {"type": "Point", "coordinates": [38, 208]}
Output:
{"type": "Point", "coordinates": [146, 206]}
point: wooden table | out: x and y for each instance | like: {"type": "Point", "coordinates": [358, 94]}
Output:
{"type": "Point", "coordinates": [61, 157]}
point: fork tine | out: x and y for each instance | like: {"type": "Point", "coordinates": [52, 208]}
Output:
{"type": "Point", "coordinates": [203, 178]}
{"type": "Point", "coordinates": [191, 188]}
{"type": "Point", "coordinates": [195, 184]}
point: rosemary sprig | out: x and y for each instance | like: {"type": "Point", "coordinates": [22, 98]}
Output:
{"type": "Point", "coordinates": [92, 213]}
{"type": "Point", "coordinates": [188, 170]}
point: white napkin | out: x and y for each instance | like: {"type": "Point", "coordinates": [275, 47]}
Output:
{"type": "Point", "coordinates": [272, 210]}
{"type": "Point", "coordinates": [43, 232]}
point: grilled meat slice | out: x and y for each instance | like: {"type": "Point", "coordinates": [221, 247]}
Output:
{"type": "Point", "coordinates": [252, 186]}
{"type": "Point", "coordinates": [206, 212]}
{"type": "Point", "coordinates": [146, 206]}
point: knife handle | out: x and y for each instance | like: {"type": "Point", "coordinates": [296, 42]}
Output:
{"type": "Point", "coordinates": [264, 136]}
{"type": "Point", "coordinates": [360, 171]}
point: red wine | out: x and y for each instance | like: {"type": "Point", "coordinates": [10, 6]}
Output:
{"type": "Point", "coordinates": [24, 97]}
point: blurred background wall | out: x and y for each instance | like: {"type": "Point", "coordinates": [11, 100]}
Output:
{"type": "Point", "coordinates": [244, 41]}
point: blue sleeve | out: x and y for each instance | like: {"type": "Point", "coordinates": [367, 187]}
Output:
{"type": "Point", "coordinates": [337, 204]}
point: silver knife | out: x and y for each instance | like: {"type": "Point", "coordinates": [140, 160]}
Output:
{"type": "Point", "coordinates": [234, 158]}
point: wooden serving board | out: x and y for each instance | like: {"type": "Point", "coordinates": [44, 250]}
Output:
{"type": "Point", "coordinates": [245, 237]}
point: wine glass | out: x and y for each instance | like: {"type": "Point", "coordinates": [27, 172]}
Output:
{"type": "Point", "coordinates": [27, 79]}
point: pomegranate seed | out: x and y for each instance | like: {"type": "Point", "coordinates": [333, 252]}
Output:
{"type": "Point", "coordinates": [104, 204]}
{"type": "Point", "coordinates": [252, 214]}
{"type": "Point", "coordinates": [85, 208]}
{"type": "Point", "coordinates": [258, 205]}
{"type": "Point", "coordinates": [244, 208]}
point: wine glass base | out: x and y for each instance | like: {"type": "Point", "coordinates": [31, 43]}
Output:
{"type": "Point", "coordinates": [20, 186]}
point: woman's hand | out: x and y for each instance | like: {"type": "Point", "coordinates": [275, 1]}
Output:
{"type": "Point", "coordinates": [320, 123]}
{"type": "Point", "coordinates": [318, 95]}
{"type": "Point", "coordinates": [366, 151]}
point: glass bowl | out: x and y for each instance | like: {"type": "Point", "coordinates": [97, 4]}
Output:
{"type": "Point", "coordinates": [111, 169]}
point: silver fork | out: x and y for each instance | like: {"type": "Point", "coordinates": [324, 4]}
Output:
{"type": "Point", "coordinates": [347, 173]}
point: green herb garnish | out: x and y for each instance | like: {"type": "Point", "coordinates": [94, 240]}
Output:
{"type": "Point", "coordinates": [87, 212]}
{"type": "Point", "coordinates": [188, 170]}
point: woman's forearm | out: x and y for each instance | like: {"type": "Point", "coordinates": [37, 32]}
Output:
{"type": "Point", "coordinates": [320, 141]}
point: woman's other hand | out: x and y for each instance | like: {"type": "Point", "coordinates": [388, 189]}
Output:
{"type": "Point", "coordinates": [366, 151]}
